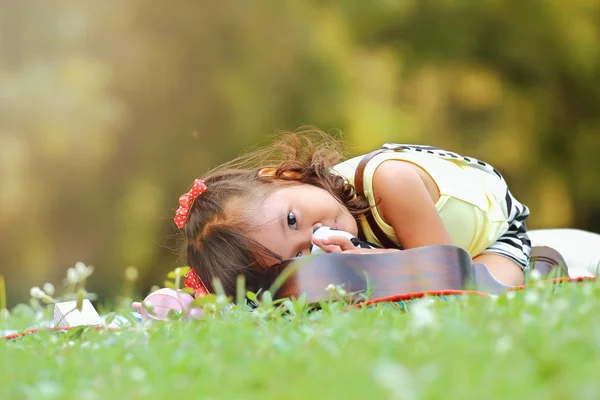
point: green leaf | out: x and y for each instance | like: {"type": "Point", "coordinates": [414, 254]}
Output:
{"type": "Point", "coordinates": [170, 285]}
{"type": "Point", "coordinates": [201, 301]}
{"type": "Point", "coordinates": [267, 299]}
{"type": "Point", "coordinates": [76, 332]}
{"type": "Point", "coordinates": [251, 295]}
{"type": "Point", "coordinates": [171, 275]}
{"type": "Point", "coordinates": [131, 318]}
{"type": "Point", "coordinates": [187, 290]}
{"type": "Point", "coordinates": [110, 318]}
{"type": "Point", "coordinates": [173, 315]}
{"type": "Point", "coordinates": [240, 288]}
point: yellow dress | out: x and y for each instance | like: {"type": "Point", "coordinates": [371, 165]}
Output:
{"type": "Point", "coordinates": [472, 203]}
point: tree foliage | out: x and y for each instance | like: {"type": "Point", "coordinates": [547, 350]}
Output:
{"type": "Point", "coordinates": [108, 110]}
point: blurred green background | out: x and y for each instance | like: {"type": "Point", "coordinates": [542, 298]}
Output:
{"type": "Point", "coordinates": [109, 109]}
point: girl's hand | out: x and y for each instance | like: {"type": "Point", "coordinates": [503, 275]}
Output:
{"type": "Point", "coordinates": [341, 244]}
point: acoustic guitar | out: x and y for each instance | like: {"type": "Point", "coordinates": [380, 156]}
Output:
{"type": "Point", "coordinates": [422, 269]}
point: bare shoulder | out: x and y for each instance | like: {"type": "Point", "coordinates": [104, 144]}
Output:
{"type": "Point", "coordinates": [396, 183]}
{"type": "Point", "coordinates": [407, 203]}
{"type": "Point", "coordinates": [395, 170]}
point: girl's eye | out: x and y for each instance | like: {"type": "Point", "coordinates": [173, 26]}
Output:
{"type": "Point", "coordinates": [291, 220]}
{"type": "Point", "coordinates": [299, 254]}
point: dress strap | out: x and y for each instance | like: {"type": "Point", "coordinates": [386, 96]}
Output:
{"type": "Point", "coordinates": [360, 190]}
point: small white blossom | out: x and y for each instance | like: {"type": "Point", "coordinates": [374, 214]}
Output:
{"type": "Point", "coordinates": [49, 289]}
{"type": "Point", "coordinates": [535, 275]}
{"type": "Point", "coordinates": [585, 308]}
{"type": "Point", "coordinates": [511, 295]}
{"type": "Point", "coordinates": [36, 292]}
{"type": "Point", "coordinates": [39, 316]}
{"type": "Point", "coordinates": [528, 319]}
{"type": "Point", "coordinates": [396, 379]}
{"type": "Point", "coordinates": [337, 289]}
{"type": "Point", "coordinates": [221, 300]}
{"type": "Point", "coordinates": [421, 315]}
{"type": "Point", "coordinates": [138, 374]}
{"type": "Point", "coordinates": [531, 297]}
{"type": "Point", "coordinates": [48, 390]}
{"type": "Point", "coordinates": [504, 344]}
{"type": "Point", "coordinates": [73, 276]}
{"type": "Point", "coordinates": [560, 305]}
{"type": "Point", "coordinates": [131, 273]}
{"type": "Point", "coordinates": [83, 270]}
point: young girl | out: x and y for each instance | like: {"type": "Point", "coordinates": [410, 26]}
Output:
{"type": "Point", "coordinates": [262, 207]}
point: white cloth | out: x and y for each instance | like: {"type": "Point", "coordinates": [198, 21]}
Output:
{"type": "Point", "coordinates": [580, 249]}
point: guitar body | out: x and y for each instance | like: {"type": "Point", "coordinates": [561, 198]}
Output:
{"type": "Point", "coordinates": [423, 269]}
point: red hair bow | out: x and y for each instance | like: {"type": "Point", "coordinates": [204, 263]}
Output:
{"type": "Point", "coordinates": [193, 281]}
{"type": "Point", "coordinates": [186, 200]}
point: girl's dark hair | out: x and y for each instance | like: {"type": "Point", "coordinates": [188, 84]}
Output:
{"type": "Point", "coordinates": [218, 243]}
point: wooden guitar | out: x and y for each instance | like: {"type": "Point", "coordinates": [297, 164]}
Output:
{"type": "Point", "coordinates": [423, 269]}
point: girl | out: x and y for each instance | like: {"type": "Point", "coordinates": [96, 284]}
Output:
{"type": "Point", "coordinates": [261, 208]}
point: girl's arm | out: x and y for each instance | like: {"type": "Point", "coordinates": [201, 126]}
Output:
{"type": "Point", "coordinates": [406, 198]}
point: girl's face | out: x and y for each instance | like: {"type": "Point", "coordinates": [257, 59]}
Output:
{"type": "Point", "coordinates": [288, 215]}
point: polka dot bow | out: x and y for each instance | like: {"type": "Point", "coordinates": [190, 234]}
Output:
{"type": "Point", "coordinates": [193, 281]}
{"type": "Point", "coordinates": [186, 200]}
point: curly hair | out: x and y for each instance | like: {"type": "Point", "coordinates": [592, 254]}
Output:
{"type": "Point", "coordinates": [217, 230]}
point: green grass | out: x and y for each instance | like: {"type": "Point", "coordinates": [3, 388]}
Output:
{"type": "Point", "coordinates": [540, 344]}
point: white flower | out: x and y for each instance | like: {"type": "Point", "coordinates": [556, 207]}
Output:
{"type": "Point", "coordinates": [396, 379]}
{"type": "Point", "coordinates": [36, 292]}
{"type": "Point", "coordinates": [527, 319]}
{"type": "Point", "coordinates": [138, 374]}
{"type": "Point", "coordinates": [39, 316]}
{"type": "Point", "coordinates": [73, 276]}
{"type": "Point", "coordinates": [535, 275]}
{"type": "Point", "coordinates": [422, 315]}
{"type": "Point", "coordinates": [504, 344]}
{"type": "Point", "coordinates": [337, 289]}
{"type": "Point", "coordinates": [131, 273]}
{"type": "Point", "coordinates": [221, 300]}
{"type": "Point", "coordinates": [83, 270]}
{"type": "Point", "coordinates": [49, 289]}
{"type": "Point", "coordinates": [47, 390]}
{"type": "Point", "coordinates": [559, 305]}
{"type": "Point", "coordinates": [531, 297]}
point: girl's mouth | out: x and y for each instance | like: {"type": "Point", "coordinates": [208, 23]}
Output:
{"type": "Point", "coordinates": [336, 226]}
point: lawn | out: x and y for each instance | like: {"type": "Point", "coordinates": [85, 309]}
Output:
{"type": "Point", "coordinates": [543, 343]}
